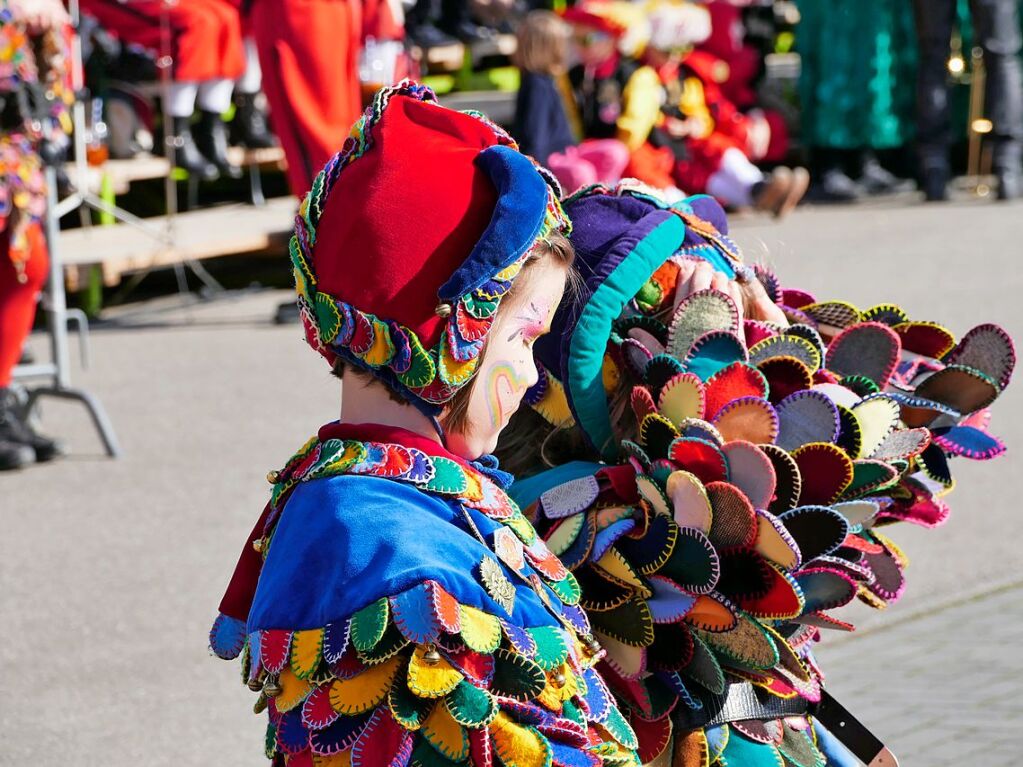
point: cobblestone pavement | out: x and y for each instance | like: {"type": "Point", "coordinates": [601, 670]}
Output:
{"type": "Point", "coordinates": [110, 571]}
{"type": "Point", "coordinates": [943, 689]}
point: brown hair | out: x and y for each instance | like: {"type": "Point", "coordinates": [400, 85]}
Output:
{"type": "Point", "coordinates": [554, 246]}
{"type": "Point", "coordinates": [542, 44]}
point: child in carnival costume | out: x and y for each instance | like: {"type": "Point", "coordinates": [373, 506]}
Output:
{"type": "Point", "coordinates": [718, 474]}
{"type": "Point", "coordinates": [393, 606]}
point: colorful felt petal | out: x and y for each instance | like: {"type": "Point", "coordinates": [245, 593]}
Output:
{"type": "Point", "coordinates": [751, 471]}
{"type": "Point", "coordinates": [786, 346]}
{"type": "Point", "coordinates": [570, 497]}
{"type": "Point", "coordinates": [734, 518]}
{"type": "Point", "coordinates": [711, 614]}
{"type": "Point", "coordinates": [480, 631]}
{"type": "Point", "coordinates": [431, 676]}
{"type": "Point", "coordinates": [747, 643]}
{"type": "Point", "coordinates": [445, 734]}
{"type": "Point", "coordinates": [818, 530]}
{"type": "Point", "coordinates": [730, 383]}
{"type": "Point", "coordinates": [989, 350]}
{"type": "Point", "coordinates": [694, 562]}
{"type": "Point", "coordinates": [317, 711]}
{"type": "Point", "coordinates": [337, 737]}
{"type": "Point", "coordinates": [968, 442]}
{"type": "Point", "coordinates": [698, 314]}
{"type": "Point", "coordinates": [805, 417]}
{"type": "Point", "coordinates": [518, 746]}
{"type": "Point", "coordinates": [713, 352]}
{"type": "Point", "coordinates": [774, 542]}
{"type": "Point", "coordinates": [878, 416]}
{"type": "Point", "coordinates": [825, 589]}
{"type": "Point", "coordinates": [868, 349]}
{"type": "Point", "coordinates": [788, 482]}
{"type": "Point", "coordinates": [366, 690]}
{"type": "Point", "coordinates": [925, 338]}
{"type": "Point", "coordinates": [275, 649]}
{"type": "Point", "coordinates": [690, 505]}
{"type": "Point", "coordinates": [414, 615]}
{"type": "Point", "coordinates": [750, 419]}
{"type": "Point", "coordinates": [681, 398]}
{"type": "Point", "coordinates": [382, 743]}
{"type": "Point", "coordinates": [785, 376]}
{"type": "Point", "coordinates": [369, 624]}
{"type": "Point", "coordinates": [699, 457]}
{"type": "Point", "coordinates": [868, 477]}
{"type": "Point", "coordinates": [826, 472]}
{"type": "Point", "coordinates": [670, 603]}
{"type": "Point", "coordinates": [305, 652]}
{"type": "Point", "coordinates": [962, 388]}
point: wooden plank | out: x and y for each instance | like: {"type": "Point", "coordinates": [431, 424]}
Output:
{"type": "Point", "coordinates": [220, 231]}
{"type": "Point", "coordinates": [143, 167]}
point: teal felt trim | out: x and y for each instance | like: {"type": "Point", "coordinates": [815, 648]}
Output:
{"type": "Point", "coordinates": [589, 338]}
{"type": "Point", "coordinates": [526, 491]}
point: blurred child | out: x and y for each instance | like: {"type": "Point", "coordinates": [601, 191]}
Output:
{"type": "Point", "coordinates": [547, 124]}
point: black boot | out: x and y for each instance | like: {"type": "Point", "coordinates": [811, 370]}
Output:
{"type": "Point", "coordinates": [249, 126]}
{"type": "Point", "coordinates": [934, 180]}
{"type": "Point", "coordinates": [211, 138]}
{"type": "Point", "coordinates": [14, 430]}
{"type": "Point", "coordinates": [14, 455]}
{"type": "Point", "coordinates": [187, 154]}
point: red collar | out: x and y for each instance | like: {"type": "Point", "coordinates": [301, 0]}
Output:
{"type": "Point", "coordinates": [375, 432]}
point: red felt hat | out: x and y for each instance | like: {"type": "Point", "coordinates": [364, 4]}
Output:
{"type": "Point", "coordinates": [411, 236]}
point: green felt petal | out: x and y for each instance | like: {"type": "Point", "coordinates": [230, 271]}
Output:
{"type": "Point", "coordinates": [408, 709]}
{"type": "Point", "coordinates": [470, 706]}
{"type": "Point", "coordinates": [448, 479]}
{"type": "Point", "coordinates": [369, 624]}
{"type": "Point", "coordinates": [551, 650]}
{"type": "Point", "coordinates": [517, 677]}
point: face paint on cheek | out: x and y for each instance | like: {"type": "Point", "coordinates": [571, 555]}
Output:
{"type": "Point", "coordinates": [533, 321]}
{"type": "Point", "coordinates": [505, 389]}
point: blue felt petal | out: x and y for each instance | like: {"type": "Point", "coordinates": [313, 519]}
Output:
{"type": "Point", "coordinates": [414, 615]}
{"type": "Point", "coordinates": [716, 739]}
{"type": "Point", "coordinates": [570, 756]}
{"type": "Point", "coordinates": [607, 537]}
{"type": "Point", "coordinates": [678, 686]}
{"type": "Point", "coordinates": [335, 641]}
{"type": "Point", "coordinates": [969, 442]}
{"type": "Point", "coordinates": [227, 637]}
{"type": "Point", "coordinates": [339, 736]}
{"type": "Point", "coordinates": [292, 735]}
{"type": "Point", "coordinates": [597, 698]}
{"type": "Point", "coordinates": [668, 604]}
{"type": "Point", "coordinates": [714, 351]}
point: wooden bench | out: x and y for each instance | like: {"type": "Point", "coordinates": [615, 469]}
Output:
{"type": "Point", "coordinates": [224, 230]}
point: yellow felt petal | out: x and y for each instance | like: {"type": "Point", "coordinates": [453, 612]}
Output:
{"type": "Point", "coordinates": [366, 690]}
{"type": "Point", "coordinates": [452, 371]}
{"type": "Point", "coordinates": [614, 564]}
{"type": "Point", "coordinates": [627, 660]}
{"type": "Point", "coordinates": [293, 691]}
{"type": "Point", "coordinates": [877, 417]}
{"type": "Point", "coordinates": [518, 746]}
{"type": "Point", "coordinates": [652, 494]}
{"type": "Point", "coordinates": [305, 652]}
{"type": "Point", "coordinates": [773, 547]}
{"type": "Point", "coordinates": [446, 735]}
{"type": "Point", "coordinates": [342, 759]}
{"type": "Point", "coordinates": [381, 350]}
{"type": "Point", "coordinates": [522, 528]}
{"type": "Point", "coordinates": [553, 406]}
{"type": "Point", "coordinates": [431, 679]}
{"type": "Point", "coordinates": [681, 398]}
{"type": "Point", "coordinates": [480, 632]}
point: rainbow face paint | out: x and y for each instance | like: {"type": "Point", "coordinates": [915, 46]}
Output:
{"type": "Point", "coordinates": [505, 388]}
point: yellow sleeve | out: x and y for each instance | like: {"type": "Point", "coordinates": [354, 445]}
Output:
{"type": "Point", "coordinates": [641, 108]}
{"type": "Point", "coordinates": [693, 103]}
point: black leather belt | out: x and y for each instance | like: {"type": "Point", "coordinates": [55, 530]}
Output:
{"type": "Point", "coordinates": [742, 700]}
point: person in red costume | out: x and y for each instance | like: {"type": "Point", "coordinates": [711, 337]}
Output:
{"type": "Point", "coordinates": [33, 108]}
{"type": "Point", "coordinates": [309, 52]}
{"type": "Point", "coordinates": [209, 56]}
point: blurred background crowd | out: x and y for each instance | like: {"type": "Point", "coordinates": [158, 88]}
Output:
{"type": "Point", "coordinates": [762, 104]}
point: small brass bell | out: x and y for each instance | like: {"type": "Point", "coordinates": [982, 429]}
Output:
{"type": "Point", "coordinates": [272, 688]}
{"type": "Point", "coordinates": [592, 643]}
{"type": "Point", "coordinates": [559, 680]}
{"type": "Point", "coordinates": [443, 310]}
{"type": "Point", "coordinates": [273, 476]}
{"type": "Point", "coordinates": [431, 656]}
{"type": "Point", "coordinates": [257, 545]}
{"type": "Point", "coordinates": [256, 684]}
{"type": "Point", "coordinates": [260, 705]}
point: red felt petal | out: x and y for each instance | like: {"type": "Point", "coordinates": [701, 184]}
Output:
{"type": "Point", "coordinates": [384, 742]}
{"type": "Point", "coordinates": [274, 649]}
{"type": "Point", "coordinates": [825, 470]}
{"type": "Point", "coordinates": [785, 376]}
{"type": "Point", "coordinates": [653, 737]}
{"type": "Point", "coordinates": [735, 381]}
{"type": "Point", "coordinates": [699, 457]}
{"type": "Point", "coordinates": [317, 712]}
{"type": "Point", "coordinates": [783, 599]}
{"type": "Point", "coordinates": [642, 402]}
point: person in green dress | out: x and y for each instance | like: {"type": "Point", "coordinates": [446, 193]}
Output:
{"type": "Point", "coordinates": [856, 91]}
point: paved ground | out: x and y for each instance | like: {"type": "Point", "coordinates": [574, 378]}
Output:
{"type": "Point", "coordinates": [110, 571]}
